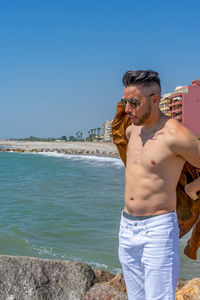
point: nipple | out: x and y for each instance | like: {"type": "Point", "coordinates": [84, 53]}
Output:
{"type": "Point", "coordinates": [153, 162]}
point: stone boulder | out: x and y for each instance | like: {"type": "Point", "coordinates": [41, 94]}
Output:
{"type": "Point", "coordinates": [104, 292]}
{"type": "Point", "coordinates": [118, 282]}
{"type": "Point", "coordinates": [190, 291]}
{"type": "Point", "coordinates": [181, 283]}
{"type": "Point", "coordinates": [24, 278]}
{"type": "Point", "coordinates": [107, 287]}
{"type": "Point", "coordinates": [102, 276]}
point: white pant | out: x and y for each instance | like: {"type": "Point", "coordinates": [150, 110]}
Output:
{"type": "Point", "coordinates": [148, 253]}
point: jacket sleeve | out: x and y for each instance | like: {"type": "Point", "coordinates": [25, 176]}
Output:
{"type": "Point", "coordinates": [120, 123]}
{"type": "Point", "coordinates": [188, 211]}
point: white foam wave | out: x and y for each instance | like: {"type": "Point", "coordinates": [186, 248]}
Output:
{"type": "Point", "coordinates": [45, 251]}
{"type": "Point", "coordinates": [94, 265]}
{"type": "Point", "coordinates": [98, 265]}
{"type": "Point", "coordinates": [50, 252]}
{"type": "Point", "coordinates": [91, 159]}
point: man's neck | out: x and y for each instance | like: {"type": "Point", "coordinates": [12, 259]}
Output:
{"type": "Point", "coordinates": [153, 123]}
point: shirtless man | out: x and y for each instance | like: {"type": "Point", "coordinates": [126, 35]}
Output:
{"type": "Point", "coordinates": [157, 150]}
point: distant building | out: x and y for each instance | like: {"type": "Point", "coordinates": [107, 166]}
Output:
{"type": "Point", "coordinates": [164, 104]}
{"type": "Point", "coordinates": [107, 126]}
{"type": "Point", "coordinates": [185, 106]}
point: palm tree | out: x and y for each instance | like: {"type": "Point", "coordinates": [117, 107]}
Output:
{"type": "Point", "coordinates": [77, 135]}
{"type": "Point", "coordinates": [81, 136]}
{"type": "Point", "coordinates": [98, 130]}
{"type": "Point", "coordinates": [92, 132]}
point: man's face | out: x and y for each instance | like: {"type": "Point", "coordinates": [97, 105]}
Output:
{"type": "Point", "coordinates": [139, 105]}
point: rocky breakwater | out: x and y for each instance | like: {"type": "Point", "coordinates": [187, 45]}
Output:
{"type": "Point", "coordinates": [80, 148]}
{"type": "Point", "coordinates": [190, 290]}
{"type": "Point", "coordinates": [110, 287]}
{"type": "Point", "coordinates": [25, 278]}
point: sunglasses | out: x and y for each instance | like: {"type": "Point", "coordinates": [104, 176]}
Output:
{"type": "Point", "coordinates": [133, 102]}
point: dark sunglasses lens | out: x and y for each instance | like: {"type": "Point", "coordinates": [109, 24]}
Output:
{"type": "Point", "coordinates": [123, 101]}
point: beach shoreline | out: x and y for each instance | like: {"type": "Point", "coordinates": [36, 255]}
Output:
{"type": "Point", "coordinates": [64, 147]}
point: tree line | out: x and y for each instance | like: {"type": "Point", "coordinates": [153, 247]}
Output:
{"type": "Point", "coordinates": [93, 134]}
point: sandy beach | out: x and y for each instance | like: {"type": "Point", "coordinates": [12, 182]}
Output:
{"type": "Point", "coordinates": [85, 148]}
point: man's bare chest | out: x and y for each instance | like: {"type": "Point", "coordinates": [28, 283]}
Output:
{"type": "Point", "coordinates": [149, 153]}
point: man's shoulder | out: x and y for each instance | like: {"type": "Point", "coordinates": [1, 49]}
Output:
{"type": "Point", "coordinates": [175, 129]}
{"type": "Point", "coordinates": [179, 138]}
{"type": "Point", "coordinates": [172, 123]}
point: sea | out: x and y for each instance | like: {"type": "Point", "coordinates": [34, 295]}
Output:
{"type": "Point", "coordinates": [66, 207]}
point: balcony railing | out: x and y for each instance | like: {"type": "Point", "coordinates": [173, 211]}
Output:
{"type": "Point", "coordinates": [176, 110]}
{"type": "Point", "coordinates": [176, 103]}
{"type": "Point", "coordinates": [177, 98]}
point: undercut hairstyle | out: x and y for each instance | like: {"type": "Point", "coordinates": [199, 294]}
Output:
{"type": "Point", "coordinates": [146, 78]}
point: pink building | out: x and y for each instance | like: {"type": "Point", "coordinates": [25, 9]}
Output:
{"type": "Point", "coordinates": [185, 106]}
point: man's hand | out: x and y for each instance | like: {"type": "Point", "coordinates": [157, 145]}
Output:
{"type": "Point", "coordinates": [190, 191]}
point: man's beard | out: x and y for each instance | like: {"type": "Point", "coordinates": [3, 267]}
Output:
{"type": "Point", "coordinates": [143, 118]}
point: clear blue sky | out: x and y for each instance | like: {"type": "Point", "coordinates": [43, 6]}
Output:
{"type": "Point", "coordinates": [62, 62]}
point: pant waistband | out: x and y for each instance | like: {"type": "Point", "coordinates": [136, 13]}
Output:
{"type": "Point", "coordinates": [131, 217]}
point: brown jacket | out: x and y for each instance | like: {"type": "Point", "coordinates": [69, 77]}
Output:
{"type": "Point", "coordinates": [188, 210]}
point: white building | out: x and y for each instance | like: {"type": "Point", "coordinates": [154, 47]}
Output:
{"type": "Point", "coordinates": [107, 134]}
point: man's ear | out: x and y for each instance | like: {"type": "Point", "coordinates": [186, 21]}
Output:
{"type": "Point", "coordinates": [156, 99]}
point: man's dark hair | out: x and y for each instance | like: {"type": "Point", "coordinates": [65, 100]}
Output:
{"type": "Point", "coordinates": [140, 77]}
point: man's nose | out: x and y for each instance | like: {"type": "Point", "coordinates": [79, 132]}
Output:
{"type": "Point", "coordinates": [128, 108]}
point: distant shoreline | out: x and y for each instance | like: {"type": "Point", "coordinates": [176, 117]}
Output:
{"type": "Point", "coordinates": [65, 147]}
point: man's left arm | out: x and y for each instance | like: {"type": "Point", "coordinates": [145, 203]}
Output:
{"type": "Point", "coordinates": [185, 144]}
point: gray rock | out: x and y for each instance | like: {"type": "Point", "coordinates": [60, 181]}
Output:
{"type": "Point", "coordinates": [24, 278]}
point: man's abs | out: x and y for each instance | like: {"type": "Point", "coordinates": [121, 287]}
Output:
{"type": "Point", "coordinates": [148, 193]}
{"type": "Point", "coordinates": [155, 205]}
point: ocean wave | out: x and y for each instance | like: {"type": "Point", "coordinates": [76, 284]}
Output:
{"type": "Point", "coordinates": [43, 251]}
{"type": "Point", "coordinates": [91, 159]}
